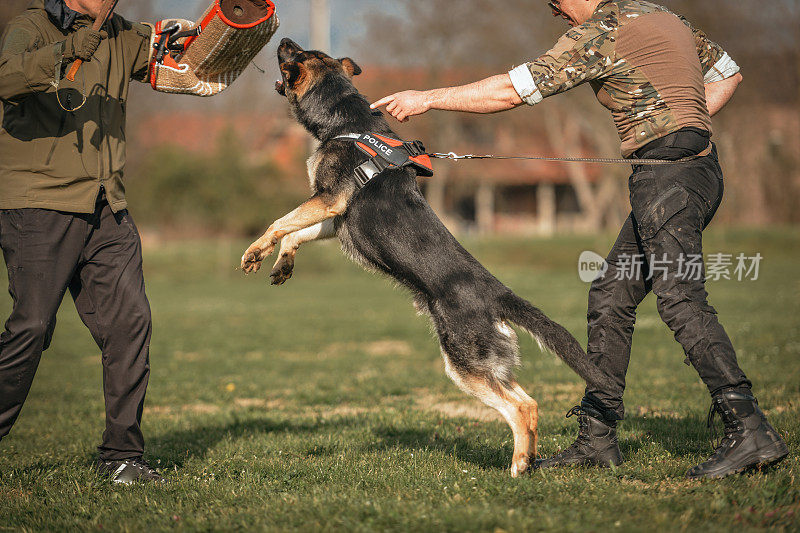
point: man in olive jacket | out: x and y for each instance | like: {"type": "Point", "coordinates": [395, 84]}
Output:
{"type": "Point", "coordinates": [63, 218]}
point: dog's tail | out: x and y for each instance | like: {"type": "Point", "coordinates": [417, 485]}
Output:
{"type": "Point", "coordinates": [551, 336]}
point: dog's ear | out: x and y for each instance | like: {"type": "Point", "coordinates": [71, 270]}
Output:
{"type": "Point", "coordinates": [293, 73]}
{"type": "Point", "coordinates": [350, 66]}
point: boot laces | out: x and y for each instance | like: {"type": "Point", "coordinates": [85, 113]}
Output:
{"type": "Point", "coordinates": [583, 425]}
{"type": "Point", "coordinates": [575, 411]}
{"type": "Point", "coordinates": [142, 464]}
{"type": "Point", "coordinates": [732, 426]}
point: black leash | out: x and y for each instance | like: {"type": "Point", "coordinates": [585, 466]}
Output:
{"type": "Point", "coordinates": [596, 160]}
{"type": "Point", "coordinates": [591, 160]}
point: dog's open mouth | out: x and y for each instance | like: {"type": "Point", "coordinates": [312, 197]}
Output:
{"type": "Point", "coordinates": [280, 87]}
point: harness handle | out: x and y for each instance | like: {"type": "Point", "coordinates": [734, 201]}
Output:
{"type": "Point", "coordinates": [386, 152]}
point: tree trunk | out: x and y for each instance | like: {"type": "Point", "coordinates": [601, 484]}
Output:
{"type": "Point", "coordinates": [546, 208]}
{"type": "Point", "coordinates": [564, 135]}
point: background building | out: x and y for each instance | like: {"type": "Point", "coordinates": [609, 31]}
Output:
{"type": "Point", "coordinates": [244, 154]}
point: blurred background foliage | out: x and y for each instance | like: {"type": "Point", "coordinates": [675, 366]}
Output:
{"type": "Point", "coordinates": [232, 164]}
{"type": "Point", "coordinates": [216, 191]}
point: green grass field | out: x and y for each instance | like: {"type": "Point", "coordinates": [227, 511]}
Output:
{"type": "Point", "coordinates": [323, 405]}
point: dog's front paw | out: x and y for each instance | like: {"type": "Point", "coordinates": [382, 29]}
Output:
{"type": "Point", "coordinates": [252, 258]}
{"type": "Point", "coordinates": [282, 271]}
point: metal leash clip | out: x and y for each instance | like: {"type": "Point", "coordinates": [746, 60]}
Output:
{"type": "Point", "coordinates": [453, 156]}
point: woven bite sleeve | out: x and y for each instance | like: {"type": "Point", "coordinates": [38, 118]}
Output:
{"type": "Point", "coordinates": [232, 33]}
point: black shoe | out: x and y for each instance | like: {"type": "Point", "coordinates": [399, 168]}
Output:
{"type": "Point", "coordinates": [129, 471]}
{"type": "Point", "coordinates": [749, 441]}
{"type": "Point", "coordinates": [596, 444]}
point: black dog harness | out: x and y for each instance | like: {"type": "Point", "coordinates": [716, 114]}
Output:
{"type": "Point", "coordinates": [385, 152]}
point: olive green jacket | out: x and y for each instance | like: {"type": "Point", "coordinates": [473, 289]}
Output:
{"type": "Point", "coordinates": [56, 159]}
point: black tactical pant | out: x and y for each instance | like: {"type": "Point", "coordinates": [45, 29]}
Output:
{"type": "Point", "coordinates": [671, 205]}
{"type": "Point", "coordinates": [98, 257]}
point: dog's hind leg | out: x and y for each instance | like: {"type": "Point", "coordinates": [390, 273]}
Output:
{"type": "Point", "coordinates": [518, 409]}
{"type": "Point", "coordinates": [530, 411]}
{"type": "Point", "coordinates": [284, 266]}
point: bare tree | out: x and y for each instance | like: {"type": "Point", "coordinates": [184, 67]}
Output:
{"type": "Point", "coordinates": [757, 132]}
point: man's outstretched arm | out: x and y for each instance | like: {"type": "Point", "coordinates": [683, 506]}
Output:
{"type": "Point", "coordinates": [556, 71]}
{"type": "Point", "coordinates": [491, 95]}
{"type": "Point", "coordinates": [719, 93]}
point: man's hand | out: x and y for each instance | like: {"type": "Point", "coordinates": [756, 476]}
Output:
{"type": "Point", "coordinates": [491, 95]}
{"type": "Point", "coordinates": [84, 43]}
{"type": "Point", "coordinates": [405, 104]}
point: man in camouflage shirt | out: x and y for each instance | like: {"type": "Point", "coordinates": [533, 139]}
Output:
{"type": "Point", "coordinates": [662, 80]}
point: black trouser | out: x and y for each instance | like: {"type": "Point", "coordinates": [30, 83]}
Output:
{"type": "Point", "coordinates": [98, 257]}
{"type": "Point", "coordinates": [671, 205]}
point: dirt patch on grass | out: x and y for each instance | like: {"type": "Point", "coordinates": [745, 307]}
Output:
{"type": "Point", "coordinates": [254, 356]}
{"type": "Point", "coordinates": [250, 402]}
{"type": "Point", "coordinates": [468, 408]}
{"type": "Point", "coordinates": [367, 374]}
{"type": "Point", "coordinates": [281, 405]}
{"type": "Point", "coordinates": [189, 357]}
{"type": "Point", "coordinates": [647, 412]}
{"type": "Point", "coordinates": [379, 348]}
{"type": "Point", "coordinates": [549, 393]}
{"type": "Point", "coordinates": [388, 347]}
{"type": "Point", "coordinates": [259, 403]}
{"type": "Point", "coordinates": [169, 411]}
{"type": "Point", "coordinates": [474, 409]}
{"type": "Point", "coordinates": [202, 408]}
{"type": "Point", "coordinates": [778, 409]}
{"type": "Point", "coordinates": [341, 410]}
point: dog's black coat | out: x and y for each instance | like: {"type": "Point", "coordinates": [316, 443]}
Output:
{"type": "Point", "coordinates": [389, 227]}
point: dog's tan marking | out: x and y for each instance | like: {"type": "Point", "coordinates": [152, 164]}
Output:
{"type": "Point", "coordinates": [350, 67]}
{"type": "Point", "coordinates": [313, 66]}
{"type": "Point", "coordinates": [319, 208]}
{"type": "Point", "coordinates": [311, 164]}
{"type": "Point", "coordinates": [520, 411]}
{"type": "Point", "coordinates": [311, 69]}
{"type": "Point", "coordinates": [284, 266]}
{"type": "Point", "coordinates": [530, 410]}
{"type": "Point", "coordinates": [303, 83]}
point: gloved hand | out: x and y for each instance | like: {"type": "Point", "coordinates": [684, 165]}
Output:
{"type": "Point", "coordinates": [83, 43]}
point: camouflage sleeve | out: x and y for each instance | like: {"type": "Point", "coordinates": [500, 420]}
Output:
{"type": "Point", "coordinates": [716, 63]}
{"type": "Point", "coordinates": [25, 65]}
{"type": "Point", "coordinates": [583, 54]}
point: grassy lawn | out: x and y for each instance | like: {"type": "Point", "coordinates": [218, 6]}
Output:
{"type": "Point", "coordinates": [323, 405]}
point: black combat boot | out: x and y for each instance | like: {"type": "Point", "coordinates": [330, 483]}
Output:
{"type": "Point", "coordinates": [749, 441]}
{"type": "Point", "coordinates": [596, 444]}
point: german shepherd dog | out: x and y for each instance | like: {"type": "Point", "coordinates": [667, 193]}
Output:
{"type": "Point", "coordinates": [389, 227]}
